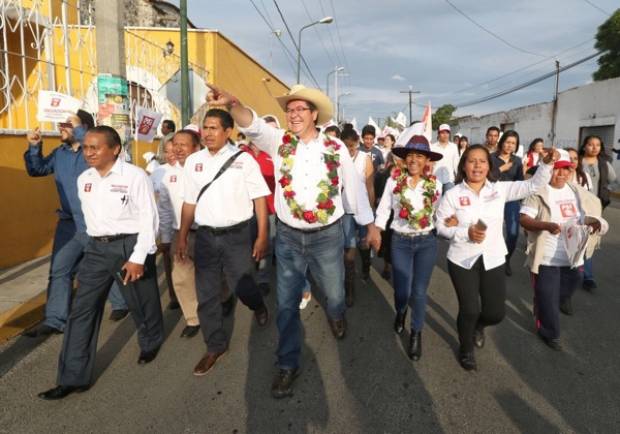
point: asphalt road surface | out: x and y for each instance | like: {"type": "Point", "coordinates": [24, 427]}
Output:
{"type": "Point", "coordinates": [364, 384]}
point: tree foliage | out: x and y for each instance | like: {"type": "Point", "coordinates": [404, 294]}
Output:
{"type": "Point", "coordinates": [608, 40]}
{"type": "Point", "coordinates": [443, 115]}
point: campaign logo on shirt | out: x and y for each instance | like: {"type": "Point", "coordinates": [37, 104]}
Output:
{"type": "Point", "coordinates": [198, 167]}
{"type": "Point", "coordinates": [117, 188]}
{"type": "Point", "coordinates": [464, 201]}
{"type": "Point", "coordinates": [173, 178]}
{"type": "Point", "coordinates": [88, 187]}
{"type": "Point", "coordinates": [568, 209]}
{"type": "Point", "coordinates": [491, 197]}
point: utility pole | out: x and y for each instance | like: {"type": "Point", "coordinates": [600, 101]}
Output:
{"type": "Point", "coordinates": [410, 92]}
{"type": "Point", "coordinates": [112, 88]}
{"type": "Point", "coordinates": [555, 101]}
{"type": "Point", "coordinates": [185, 108]}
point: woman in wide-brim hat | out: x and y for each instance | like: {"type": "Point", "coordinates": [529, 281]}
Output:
{"type": "Point", "coordinates": [412, 195]}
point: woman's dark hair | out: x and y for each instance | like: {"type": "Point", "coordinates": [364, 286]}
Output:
{"type": "Point", "coordinates": [582, 179]}
{"type": "Point", "coordinates": [170, 124]}
{"type": "Point", "coordinates": [86, 119]}
{"type": "Point", "coordinates": [460, 172]}
{"type": "Point", "coordinates": [334, 129]}
{"type": "Point", "coordinates": [582, 149]}
{"type": "Point", "coordinates": [463, 138]}
{"type": "Point", "coordinates": [349, 134]}
{"type": "Point", "coordinates": [225, 118]}
{"type": "Point", "coordinates": [533, 144]}
{"type": "Point", "coordinates": [505, 136]}
{"type": "Point", "coordinates": [391, 136]}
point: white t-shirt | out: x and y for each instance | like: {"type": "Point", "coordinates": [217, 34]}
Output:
{"type": "Point", "coordinates": [564, 208]}
{"type": "Point", "coordinates": [446, 168]}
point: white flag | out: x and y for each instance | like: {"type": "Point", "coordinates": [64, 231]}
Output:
{"type": "Point", "coordinates": [427, 120]}
{"type": "Point", "coordinates": [146, 124]}
{"type": "Point", "coordinates": [372, 123]}
{"type": "Point", "coordinates": [401, 119]}
{"type": "Point", "coordinates": [56, 107]}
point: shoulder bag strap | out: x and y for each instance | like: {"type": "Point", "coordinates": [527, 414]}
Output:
{"type": "Point", "coordinates": [223, 169]}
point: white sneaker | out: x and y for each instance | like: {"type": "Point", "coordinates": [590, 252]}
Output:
{"type": "Point", "coordinates": [305, 301]}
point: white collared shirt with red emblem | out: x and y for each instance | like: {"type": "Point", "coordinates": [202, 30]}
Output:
{"type": "Point", "coordinates": [488, 206]}
{"type": "Point", "coordinates": [122, 202]}
{"type": "Point", "coordinates": [170, 202]}
{"type": "Point", "coordinates": [229, 200]}
{"type": "Point", "coordinates": [308, 170]}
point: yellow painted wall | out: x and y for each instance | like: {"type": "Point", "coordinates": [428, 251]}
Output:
{"type": "Point", "coordinates": [27, 220]}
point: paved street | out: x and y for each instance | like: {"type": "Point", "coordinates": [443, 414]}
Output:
{"type": "Point", "coordinates": [364, 384]}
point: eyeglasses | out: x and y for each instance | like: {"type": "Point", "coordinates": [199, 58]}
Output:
{"type": "Point", "coordinates": [297, 111]}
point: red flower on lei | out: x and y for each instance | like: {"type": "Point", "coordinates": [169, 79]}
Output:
{"type": "Point", "coordinates": [422, 218]}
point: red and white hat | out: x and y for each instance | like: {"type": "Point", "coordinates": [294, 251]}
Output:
{"type": "Point", "coordinates": [443, 127]}
{"type": "Point", "coordinates": [564, 160]}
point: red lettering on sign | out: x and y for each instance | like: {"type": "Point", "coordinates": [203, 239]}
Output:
{"type": "Point", "coordinates": [55, 102]}
{"type": "Point", "coordinates": [145, 125]}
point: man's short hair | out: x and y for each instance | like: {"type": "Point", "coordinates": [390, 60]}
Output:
{"type": "Point", "coordinates": [112, 139]}
{"type": "Point", "coordinates": [191, 133]}
{"type": "Point", "coordinates": [493, 128]}
{"type": "Point", "coordinates": [86, 119]}
{"type": "Point", "coordinates": [369, 129]}
{"type": "Point", "coordinates": [170, 124]}
{"type": "Point", "coordinates": [225, 118]}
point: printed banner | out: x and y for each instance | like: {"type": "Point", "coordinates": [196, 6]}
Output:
{"type": "Point", "coordinates": [147, 122]}
{"type": "Point", "coordinates": [56, 107]}
{"type": "Point", "coordinates": [113, 104]}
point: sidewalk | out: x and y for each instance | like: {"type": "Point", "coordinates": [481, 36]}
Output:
{"type": "Point", "coordinates": [22, 296]}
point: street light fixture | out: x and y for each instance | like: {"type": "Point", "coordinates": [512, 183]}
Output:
{"type": "Point", "coordinates": [338, 97]}
{"type": "Point", "coordinates": [326, 20]}
{"type": "Point", "coordinates": [334, 71]}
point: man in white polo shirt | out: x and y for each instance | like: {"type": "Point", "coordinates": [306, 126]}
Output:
{"type": "Point", "coordinates": [445, 169]}
{"type": "Point", "coordinates": [121, 220]}
{"type": "Point", "coordinates": [224, 188]}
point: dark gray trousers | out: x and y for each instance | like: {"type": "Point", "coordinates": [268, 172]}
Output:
{"type": "Point", "coordinates": [232, 253]}
{"type": "Point", "coordinates": [102, 261]}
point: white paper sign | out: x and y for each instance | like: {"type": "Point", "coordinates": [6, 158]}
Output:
{"type": "Point", "coordinates": [575, 238]}
{"type": "Point", "coordinates": [146, 124]}
{"type": "Point", "coordinates": [56, 107]}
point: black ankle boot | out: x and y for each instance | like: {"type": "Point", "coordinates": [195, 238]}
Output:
{"type": "Point", "coordinates": [399, 322]}
{"type": "Point", "coordinates": [415, 346]}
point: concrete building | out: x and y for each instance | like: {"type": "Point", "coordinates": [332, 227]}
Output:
{"type": "Point", "coordinates": [584, 110]}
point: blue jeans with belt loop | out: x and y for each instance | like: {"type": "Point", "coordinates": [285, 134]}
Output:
{"type": "Point", "coordinates": [413, 259]}
{"type": "Point", "coordinates": [511, 219]}
{"type": "Point", "coordinates": [297, 252]}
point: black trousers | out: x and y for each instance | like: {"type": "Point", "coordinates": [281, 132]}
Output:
{"type": "Point", "coordinates": [232, 253]}
{"type": "Point", "coordinates": [97, 272]}
{"type": "Point", "coordinates": [552, 285]}
{"type": "Point", "coordinates": [482, 297]}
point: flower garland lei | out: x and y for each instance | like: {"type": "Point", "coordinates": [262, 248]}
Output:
{"type": "Point", "coordinates": [328, 188]}
{"type": "Point", "coordinates": [422, 218]}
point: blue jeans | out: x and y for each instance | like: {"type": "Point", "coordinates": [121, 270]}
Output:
{"type": "Point", "coordinates": [297, 252]}
{"type": "Point", "coordinates": [413, 260]}
{"type": "Point", "coordinates": [62, 270]}
{"type": "Point", "coordinates": [511, 218]}
{"type": "Point", "coordinates": [353, 232]}
{"type": "Point", "coordinates": [588, 269]}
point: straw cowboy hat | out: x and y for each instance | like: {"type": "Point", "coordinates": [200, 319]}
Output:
{"type": "Point", "coordinates": [319, 99]}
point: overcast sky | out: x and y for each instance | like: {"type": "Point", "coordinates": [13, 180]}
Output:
{"type": "Point", "coordinates": [389, 45]}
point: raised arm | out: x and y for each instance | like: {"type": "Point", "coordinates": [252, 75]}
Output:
{"type": "Point", "coordinates": [36, 163]}
{"type": "Point", "coordinates": [517, 190]}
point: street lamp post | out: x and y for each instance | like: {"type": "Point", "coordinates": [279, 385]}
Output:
{"type": "Point", "coordinates": [326, 20]}
{"type": "Point", "coordinates": [338, 97]}
{"type": "Point", "coordinates": [336, 70]}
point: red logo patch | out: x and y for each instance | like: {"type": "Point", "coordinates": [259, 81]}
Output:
{"type": "Point", "coordinates": [198, 167]}
{"type": "Point", "coordinates": [464, 201]}
{"type": "Point", "coordinates": [87, 187]}
{"type": "Point", "coordinates": [173, 178]}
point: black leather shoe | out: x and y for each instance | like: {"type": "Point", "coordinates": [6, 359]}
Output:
{"type": "Point", "coordinates": [479, 337]}
{"type": "Point", "coordinates": [147, 356]}
{"type": "Point", "coordinates": [190, 331]}
{"type": "Point", "coordinates": [554, 344]}
{"type": "Point", "coordinates": [59, 392]}
{"type": "Point", "coordinates": [566, 307]}
{"type": "Point", "coordinates": [415, 346]}
{"type": "Point", "coordinates": [282, 385]}
{"type": "Point", "coordinates": [399, 322]}
{"type": "Point", "coordinates": [118, 314]}
{"type": "Point", "coordinates": [339, 327]}
{"type": "Point", "coordinates": [589, 285]}
{"type": "Point", "coordinates": [468, 361]}
{"type": "Point", "coordinates": [228, 306]}
{"type": "Point", "coordinates": [262, 316]}
{"type": "Point", "coordinates": [42, 330]}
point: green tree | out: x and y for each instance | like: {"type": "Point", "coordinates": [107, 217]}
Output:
{"type": "Point", "coordinates": [443, 115]}
{"type": "Point", "coordinates": [608, 40]}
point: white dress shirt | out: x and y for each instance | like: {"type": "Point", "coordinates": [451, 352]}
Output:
{"type": "Point", "coordinates": [488, 206]}
{"type": "Point", "coordinates": [122, 202]}
{"type": "Point", "coordinates": [158, 175]}
{"type": "Point", "coordinates": [359, 162]}
{"type": "Point", "coordinates": [229, 200]}
{"type": "Point", "coordinates": [170, 202]}
{"type": "Point", "coordinates": [446, 168]}
{"type": "Point", "coordinates": [308, 170]}
{"type": "Point", "coordinates": [390, 201]}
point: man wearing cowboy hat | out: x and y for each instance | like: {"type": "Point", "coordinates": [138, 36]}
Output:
{"type": "Point", "coordinates": [313, 171]}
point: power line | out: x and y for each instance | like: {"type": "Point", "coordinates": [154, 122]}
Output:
{"type": "Point", "coordinates": [595, 6]}
{"type": "Point", "coordinates": [495, 35]}
{"type": "Point", "coordinates": [318, 34]}
{"type": "Point", "coordinates": [528, 83]}
{"type": "Point", "coordinates": [344, 56]}
{"type": "Point", "coordinates": [288, 30]}
{"type": "Point", "coordinates": [262, 2]}
{"type": "Point", "coordinates": [331, 35]}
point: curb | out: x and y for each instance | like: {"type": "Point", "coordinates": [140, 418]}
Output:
{"type": "Point", "coordinates": [14, 321]}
